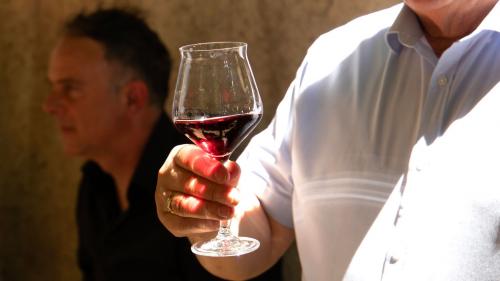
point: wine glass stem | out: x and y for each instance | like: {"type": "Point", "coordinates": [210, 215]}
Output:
{"type": "Point", "coordinates": [224, 230]}
{"type": "Point", "coordinates": [225, 225]}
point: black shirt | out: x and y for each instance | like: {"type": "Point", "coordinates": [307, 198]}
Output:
{"type": "Point", "coordinates": [117, 245]}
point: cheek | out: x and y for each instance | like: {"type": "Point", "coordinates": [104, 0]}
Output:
{"type": "Point", "coordinates": [105, 123]}
{"type": "Point", "coordinates": [89, 120]}
{"type": "Point", "coordinates": [100, 117]}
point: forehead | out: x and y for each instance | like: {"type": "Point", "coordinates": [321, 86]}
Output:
{"type": "Point", "coordinates": [76, 56]}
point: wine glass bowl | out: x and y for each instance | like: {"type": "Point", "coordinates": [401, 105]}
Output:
{"type": "Point", "coordinates": [216, 105]}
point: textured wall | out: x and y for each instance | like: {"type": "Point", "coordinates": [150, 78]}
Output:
{"type": "Point", "coordinates": [38, 184]}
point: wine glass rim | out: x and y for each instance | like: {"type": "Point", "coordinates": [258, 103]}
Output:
{"type": "Point", "coordinates": [212, 46]}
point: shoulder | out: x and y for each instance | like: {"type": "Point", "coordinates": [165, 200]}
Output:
{"type": "Point", "coordinates": [342, 41]}
{"type": "Point", "coordinates": [358, 29]}
{"type": "Point", "coordinates": [350, 47]}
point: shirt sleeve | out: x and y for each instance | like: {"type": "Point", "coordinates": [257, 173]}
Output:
{"type": "Point", "coordinates": [266, 163]}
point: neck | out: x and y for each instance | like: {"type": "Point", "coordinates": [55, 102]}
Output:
{"type": "Point", "coordinates": [448, 24]}
{"type": "Point", "coordinates": [122, 160]}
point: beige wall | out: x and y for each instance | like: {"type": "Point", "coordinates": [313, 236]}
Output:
{"type": "Point", "coordinates": [38, 184]}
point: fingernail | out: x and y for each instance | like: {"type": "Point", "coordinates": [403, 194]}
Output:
{"type": "Point", "coordinates": [225, 212]}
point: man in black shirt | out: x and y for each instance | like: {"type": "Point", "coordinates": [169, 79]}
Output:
{"type": "Point", "coordinates": [109, 74]}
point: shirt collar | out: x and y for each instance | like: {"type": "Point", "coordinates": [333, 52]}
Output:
{"type": "Point", "coordinates": [405, 31]}
{"type": "Point", "coordinates": [163, 138]}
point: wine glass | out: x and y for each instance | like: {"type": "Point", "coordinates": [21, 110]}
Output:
{"type": "Point", "coordinates": [216, 105]}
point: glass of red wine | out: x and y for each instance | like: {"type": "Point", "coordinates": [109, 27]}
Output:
{"type": "Point", "coordinates": [216, 105]}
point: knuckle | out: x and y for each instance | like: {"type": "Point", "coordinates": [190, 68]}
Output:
{"type": "Point", "coordinates": [183, 154]}
{"type": "Point", "coordinates": [191, 186]}
{"type": "Point", "coordinates": [172, 172]}
{"type": "Point", "coordinates": [176, 206]}
{"type": "Point", "coordinates": [162, 169]}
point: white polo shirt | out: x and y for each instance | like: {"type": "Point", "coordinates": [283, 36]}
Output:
{"type": "Point", "coordinates": [342, 136]}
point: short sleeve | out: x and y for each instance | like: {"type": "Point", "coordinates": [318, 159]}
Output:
{"type": "Point", "coordinates": [266, 163]}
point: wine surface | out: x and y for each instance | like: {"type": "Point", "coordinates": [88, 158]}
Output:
{"type": "Point", "coordinates": [219, 136]}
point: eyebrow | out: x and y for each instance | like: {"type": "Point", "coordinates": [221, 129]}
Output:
{"type": "Point", "coordinates": [65, 81]}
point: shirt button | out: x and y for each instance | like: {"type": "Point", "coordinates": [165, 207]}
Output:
{"type": "Point", "coordinates": [442, 81]}
{"type": "Point", "coordinates": [393, 259]}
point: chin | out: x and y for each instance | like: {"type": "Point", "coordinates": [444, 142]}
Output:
{"type": "Point", "coordinates": [71, 145]}
{"type": "Point", "coordinates": [71, 149]}
{"type": "Point", "coordinates": [72, 152]}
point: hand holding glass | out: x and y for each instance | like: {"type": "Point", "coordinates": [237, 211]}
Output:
{"type": "Point", "coordinates": [216, 105]}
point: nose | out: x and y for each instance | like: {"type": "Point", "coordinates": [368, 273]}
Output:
{"type": "Point", "coordinates": [52, 104]}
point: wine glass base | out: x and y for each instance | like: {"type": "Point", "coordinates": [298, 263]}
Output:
{"type": "Point", "coordinates": [227, 247]}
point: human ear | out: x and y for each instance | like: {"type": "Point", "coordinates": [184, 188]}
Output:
{"type": "Point", "coordinates": [137, 95]}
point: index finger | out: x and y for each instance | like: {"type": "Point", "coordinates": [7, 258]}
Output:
{"type": "Point", "coordinates": [173, 177]}
{"type": "Point", "coordinates": [193, 158]}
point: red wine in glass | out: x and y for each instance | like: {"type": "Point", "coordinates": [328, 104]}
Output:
{"type": "Point", "coordinates": [219, 136]}
{"type": "Point", "coordinates": [217, 104]}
